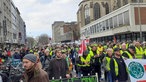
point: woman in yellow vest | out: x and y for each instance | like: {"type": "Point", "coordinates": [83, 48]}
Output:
{"type": "Point", "coordinates": [106, 63]}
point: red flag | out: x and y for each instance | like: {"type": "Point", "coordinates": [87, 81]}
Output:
{"type": "Point", "coordinates": [87, 41]}
{"type": "Point", "coordinates": [82, 48]}
{"type": "Point", "coordinates": [115, 40]}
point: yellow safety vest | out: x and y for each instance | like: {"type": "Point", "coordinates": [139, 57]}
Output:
{"type": "Point", "coordinates": [108, 59]}
{"type": "Point", "coordinates": [85, 60]}
{"type": "Point", "coordinates": [139, 53]}
{"type": "Point", "coordinates": [92, 54]}
{"type": "Point", "coordinates": [121, 52]}
{"type": "Point", "coordinates": [129, 55]}
{"type": "Point", "coordinates": [116, 68]}
{"type": "Point", "coordinates": [100, 49]}
{"type": "Point", "coordinates": [51, 53]}
{"type": "Point", "coordinates": [89, 48]}
{"type": "Point", "coordinates": [127, 45]}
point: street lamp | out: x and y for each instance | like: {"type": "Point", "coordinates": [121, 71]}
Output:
{"type": "Point", "coordinates": [139, 17]}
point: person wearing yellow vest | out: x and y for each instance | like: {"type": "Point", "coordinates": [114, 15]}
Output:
{"type": "Point", "coordinates": [96, 60]}
{"type": "Point", "coordinates": [123, 48]}
{"type": "Point", "coordinates": [85, 63]}
{"type": "Point", "coordinates": [100, 48]}
{"type": "Point", "coordinates": [118, 67]}
{"type": "Point", "coordinates": [129, 53]}
{"type": "Point", "coordinates": [139, 50]}
{"type": "Point", "coordinates": [106, 63]}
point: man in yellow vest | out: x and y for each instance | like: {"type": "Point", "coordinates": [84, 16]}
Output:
{"type": "Point", "coordinates": [106, 63]}
{"type": "Point", "coordinates": [123, 48]}
{"type": "Point", "coordinates": [96, 60]}
{"type": "Point", "coordinates": [85, 63]}
{"type": "Point", "coordinates": [130, 53]}
{"type": "Point", "coordinates": [139, 50]}
{"type": "Point", "coordinates": [100, 47]}
{"type": "Point", "coordinates": [118, 67]}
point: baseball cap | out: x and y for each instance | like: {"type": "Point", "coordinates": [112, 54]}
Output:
{"type": "Point", "coordinates": [116, 49]}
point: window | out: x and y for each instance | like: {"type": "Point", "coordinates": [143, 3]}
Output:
{"type": "Point", "coordinates": [101, 27]}
{"type": "Point", "coordinates": [14, 36]}
{"type": "Point", "coordinates": [120, 18]}
{"type": "Point", "coordinates": [96, 11]}
{"type": "Point", "coordinates": [87, 14]}
{"type": "Point", "coordinates": [111, 23]}
{"type": "Point", "coordinates": [126, 18]}
{"type": "Point", "coordinates": [118, 3]}
{"type": "Point", "coordinates": [4, 6]}
{"type": "Point", "coordinates": [107, 8]}
{"type": "Point", "coordinates": [0, 31]}
{"type": "Point", "coordinates": [125, 2]}
{"type": "Point", "coordinates": [85, 32]}
{"type": "Point", "coordinates": [90, 30]}
{"type": "Point", "coordinates": [107, 24]}
{"type": "Point", "coordinates": [104, 25]}
{"type": "Point", "coordinates": [97, 27]}
{"type": "Point", "coordinates": [115, 21]}
{"type": "Point", "coordinates": [94, 28]}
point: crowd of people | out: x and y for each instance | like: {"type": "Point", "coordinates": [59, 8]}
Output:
{"type": "Point", "coordinates": [62, 60]}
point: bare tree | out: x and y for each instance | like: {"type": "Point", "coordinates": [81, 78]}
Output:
{"type": "Point", "coordinates": [43, 39]}
{"type": "Point", "coordinates": [30, 42]}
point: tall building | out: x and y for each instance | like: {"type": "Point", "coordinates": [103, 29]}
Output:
{"type": "Point", "coordinates": [57, 31]}
{"type": "Point", "coordinates": [105, 20]}
{"type": "Point", "coordinates": [65, 31]}
{"type": "Point", "coordinates": [12, 25]}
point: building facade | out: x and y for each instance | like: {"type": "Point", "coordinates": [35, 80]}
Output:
{"type": "Point", "coordinates": [11, 25]}
{"type": "Point", "coordinates": [65, 31]}
{"type": "Point", "coordinates": [57, 31]}
{"type": "Point", "coordinates": [112, 19]}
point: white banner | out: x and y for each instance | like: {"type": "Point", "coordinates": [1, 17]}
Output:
{"type": "Point", "coordinates": [137, 69]}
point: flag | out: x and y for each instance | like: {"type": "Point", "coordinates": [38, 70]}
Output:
{"type": "Point", "coordinates": [82, 47]}
{"type": "Point", "coordinates": [115, 40]}
{"type": "Point", "coordinates": [87, 40]}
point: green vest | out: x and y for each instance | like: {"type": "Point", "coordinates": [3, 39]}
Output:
{"type": "Point", "coordinates": [108, 59]}
{"type": "Point", "coordinates": [139, 53]}
{"type": "Point", "coordinates": [129, 55]}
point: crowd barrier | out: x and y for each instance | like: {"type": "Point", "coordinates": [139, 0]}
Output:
{"type": "Point", "coordinates": [81, 79]}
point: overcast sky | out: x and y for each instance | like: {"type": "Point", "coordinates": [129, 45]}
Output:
{"type": "Point", "coordinates": [39, 15]}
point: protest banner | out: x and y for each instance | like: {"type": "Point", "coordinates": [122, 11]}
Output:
{"type": "Point", "coordinates": [82, 79]}
{"type": "Point", "coordinates": [136, 69]}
